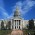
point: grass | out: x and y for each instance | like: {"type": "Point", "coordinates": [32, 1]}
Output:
{"type": "Point", "coordinates": [30, 31]}
{"type": "Point", "coordinates": [5, 32]}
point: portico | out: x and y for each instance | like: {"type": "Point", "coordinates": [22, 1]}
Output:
{"type": "Point", "coordinates": [17, 24]}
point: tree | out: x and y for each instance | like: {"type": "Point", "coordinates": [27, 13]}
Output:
{"type": "Point", "coordinates": [9, 25]}
{"type": "Point", "coordinates": [31, 24]}
{"type": "Point", "coordinates": [2, 25]}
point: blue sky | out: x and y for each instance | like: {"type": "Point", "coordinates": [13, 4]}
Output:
{"type": "Point", "coordinates": [26, 7]}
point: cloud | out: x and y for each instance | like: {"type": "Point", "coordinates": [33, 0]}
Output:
{"type": "Point", "coordinates": [3, 13]}
{"type": "Point", "coordinates": [24, 6]}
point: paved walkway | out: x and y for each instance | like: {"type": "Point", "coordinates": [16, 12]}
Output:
{"type": "Point", "coordinates": [16, 32]}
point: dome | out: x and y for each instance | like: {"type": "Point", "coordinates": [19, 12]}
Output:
{"type": "Point", "coordinates": [16, 13]}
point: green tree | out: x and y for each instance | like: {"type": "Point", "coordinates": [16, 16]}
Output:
{"type": "Point", "coordinates": [31, 24]}
{"type": "Point", "coordinates": [2, 25]}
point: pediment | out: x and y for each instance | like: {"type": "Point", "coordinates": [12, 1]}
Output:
{"type": "Point", "coordinates": [17, 18]}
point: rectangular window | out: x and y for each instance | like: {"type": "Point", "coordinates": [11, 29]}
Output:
{"type": "Point", "coordinates": [12, 27]}
{"type": "Point", "coordinates": [15, 27]}
{"type": "Point", "coordinates": [15, 22]}
{"type": "Point", "coordinates": [19, 22]}
{"type": "Point", "coordinates": [19, 27]}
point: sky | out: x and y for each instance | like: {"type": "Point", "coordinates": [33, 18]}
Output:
{"type": "Point", "coordinates": [26, 8]}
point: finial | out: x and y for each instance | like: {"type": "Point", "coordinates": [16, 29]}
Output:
{"type": "Point", "coordinates": [17, 8]}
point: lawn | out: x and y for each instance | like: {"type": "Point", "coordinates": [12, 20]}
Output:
{"type": "Point", "coordinates": [30, 31]}
{"type": "Point", "coordinates": [5, 32]}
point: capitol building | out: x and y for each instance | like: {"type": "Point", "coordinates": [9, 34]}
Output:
{"type": "Point", "coordinates": [15, 23]}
